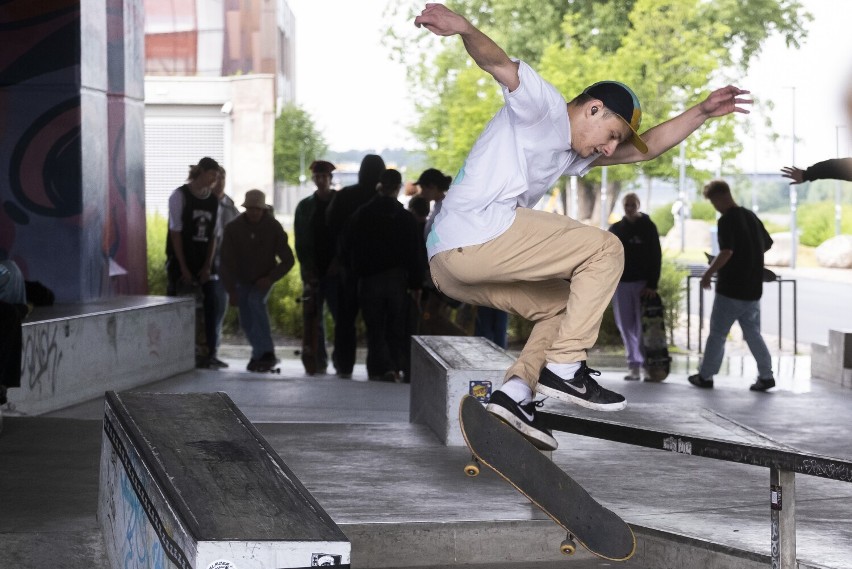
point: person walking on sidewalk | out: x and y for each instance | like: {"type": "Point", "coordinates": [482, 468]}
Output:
{"type": "Point", "coordinates": [739, 265]}
{"type": "Point", "coordinates": [255, 254]}
{"type": "Point", "coordinates": [643, 259]}
{"type": "Point", "coordinates": [488, 247]}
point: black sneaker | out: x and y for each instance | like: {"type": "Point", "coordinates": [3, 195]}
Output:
{"type": "Point", "coordinates": [269, 359]}
{"type": "Point", "coordinates": [253, 365]}
{"type": "Point", "coordinates": [216, 363]}
{"type": "Point", "coordinates": [522, 418]}
{"type": "Point", "coordinates": [699, 381]}
{"type": "Point", "coordinates": [581, 390]}
{"type": "Point", "coordinates": [762, 384]}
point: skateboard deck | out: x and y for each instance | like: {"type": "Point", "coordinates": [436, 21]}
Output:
{"type": "Point", "coordinates": [509, 454]}
{"type": "Point", "coordinates": [655, 344]}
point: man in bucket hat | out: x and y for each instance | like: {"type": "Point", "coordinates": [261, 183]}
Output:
{"type": "Point", "coordinates": [488, 247]}
{"type": "Point", "coordinates": [255, 254]}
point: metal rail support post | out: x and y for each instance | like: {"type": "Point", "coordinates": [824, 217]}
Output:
{"type": "Point", "coordinates": [783, 519]}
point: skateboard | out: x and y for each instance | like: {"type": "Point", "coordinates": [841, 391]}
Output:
{"type": "Point", "coordinates": [655, 345]}
{"type": "Point", "coordinates": [310, 334]}
{"type": "Point", "coordinates": [504, 450]}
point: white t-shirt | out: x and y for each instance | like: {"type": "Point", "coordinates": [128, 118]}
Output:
{"type": "Point", "coordinates": [521, 153]}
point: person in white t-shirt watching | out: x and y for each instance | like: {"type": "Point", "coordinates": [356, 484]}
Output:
{"type": "Point", "coordinates": [488, 247]}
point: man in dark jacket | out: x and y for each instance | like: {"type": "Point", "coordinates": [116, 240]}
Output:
{"type": "Point", "coordinates": [381, 247]}
{"type": "Point", "coordinates": [742, 242]}
{"type": "Point", "coordinates": [642, 263]}
{"type": "Point", "coordinates": [255, 254]}
{"type": "Point", "coordinates": [341, 208]}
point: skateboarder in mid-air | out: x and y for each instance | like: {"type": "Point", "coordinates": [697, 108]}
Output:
{"type": "Point", "coordinates": [488, 247]}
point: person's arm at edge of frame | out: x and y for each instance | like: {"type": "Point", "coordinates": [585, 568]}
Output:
{"type": "Point", "coordinates": [672, 132]}
{"type": "Point", "coordinates": [489, 56]}
{"type": "Point", "coordinates": [831, 169]}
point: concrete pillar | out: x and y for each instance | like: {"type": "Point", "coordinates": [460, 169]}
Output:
{"type": "Point", "coordinates": [66, 147]}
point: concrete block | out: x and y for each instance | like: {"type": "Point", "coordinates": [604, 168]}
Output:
{"type": "Point", "coordinates": [186, 482]}
{"type": "Point", "coordinates": [833, 362]}
{"type": "Point", "coordinates": [445, 368]}
{"type": "Point", "coordinates": [78, 352]}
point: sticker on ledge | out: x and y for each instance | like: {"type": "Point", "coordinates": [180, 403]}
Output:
{"type": "Point", "coordinates": [221, 564]}
{"type": "Point", "coordinates": [325, 560]}
{"type": "Point", "coordinates": [481, 390]}
{"type": "Point", "coordinates": [775, 501]}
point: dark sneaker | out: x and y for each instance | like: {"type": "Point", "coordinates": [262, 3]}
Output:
{"type": "Point", "coordinates": [762, 384]}
{"type": "Point", "coordinates": [522, 418]}
{"type": "Point", "coordinates": [253, 365]}
{"type": "Point", "coordinates": [268, 359]}
{"type": "Point", "coordinates": [699, 381]}
{"type": "Point", "coordinates": [581, 390]}
{"type": "Point", "coordinates": [216, 363]}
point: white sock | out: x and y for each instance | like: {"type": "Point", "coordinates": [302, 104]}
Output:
{"type": "Point", "coordinates": [565, 371]}
{"type": "Point", "coordinates": [517, 389]}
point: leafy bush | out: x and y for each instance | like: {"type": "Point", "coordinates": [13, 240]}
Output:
{"type": "Point", "coordinates": [816, 222]}
{"type": "Point", "coordinates": [663, 219]}
{"type": "Point", "coordinates": [703, 210]}
{"type": "Point", "coordinates": [157, 230]}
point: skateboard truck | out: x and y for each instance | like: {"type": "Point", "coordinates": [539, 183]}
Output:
{"type": "Point", "coordinates": [568, 546]}
{"type": "Point", "coordinates": [472, 468]}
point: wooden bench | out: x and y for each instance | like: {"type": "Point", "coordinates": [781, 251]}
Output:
{"type": "Point", "coordinates": [186, 481]}
{"type": "Point", "coordinates": [445, 368]}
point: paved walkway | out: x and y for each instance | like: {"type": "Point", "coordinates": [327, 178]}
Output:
{"type": "Point", "coordinates": [402, 498]}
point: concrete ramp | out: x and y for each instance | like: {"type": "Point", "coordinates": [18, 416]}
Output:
{"type": "Point", "coordinates": [187, 482]}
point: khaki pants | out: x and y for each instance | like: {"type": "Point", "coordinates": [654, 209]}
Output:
{"type": "Point", "coordinates": [547, 268]}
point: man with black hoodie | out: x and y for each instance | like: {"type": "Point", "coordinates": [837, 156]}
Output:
{"type": "Point", "coordinates": [642, 263]}
{"type": "Point", "coordinates": [341, 208]}
{"type": "Point", "coordinates": [381, 248]}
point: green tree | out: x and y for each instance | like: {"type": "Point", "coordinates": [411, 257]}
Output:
{"type": "Point", "coordinates": [669, 51]}
{"type": "Point", "coordinates": [297, 144]}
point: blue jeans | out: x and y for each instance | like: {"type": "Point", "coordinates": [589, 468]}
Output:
{"type": "Point", "coordinates": [254, 319]}
{"type": "Point", "coordinates": [726, 311]}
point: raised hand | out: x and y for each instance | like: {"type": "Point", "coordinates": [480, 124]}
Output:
{"type": "Point", "coordinates": [440, 20]}
{"type": "Point", "coordinates": [795, 174]}
{"type": "Point", "coordinates": [725, 101]}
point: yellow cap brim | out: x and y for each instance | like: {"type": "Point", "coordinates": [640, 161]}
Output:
{"type": "Point", "coordinates": [635, 139]}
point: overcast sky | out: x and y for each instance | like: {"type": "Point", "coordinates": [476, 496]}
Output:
{"type": "Point", "coordinates": [359, 99]}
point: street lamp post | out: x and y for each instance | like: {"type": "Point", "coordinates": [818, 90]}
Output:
{"type": "Point", "coordinates": [794, 196]}
{"type": "Point", "coordinates": [838, 209]}
{"type": "Point", "coordinates": [682, 196]}
{"type": "Point", "coordinates": [604, 208]}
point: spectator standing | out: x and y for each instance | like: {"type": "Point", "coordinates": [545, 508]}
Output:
{"type": "Point", "coordinates": [342, 206]}
{"type": "Point", "coordinates": [643, 259]}
{"type": "Point", "coordinates": [314, 251]}
{"type": "Point", "coordinates": [742, 242]}
{"type": "Point", "coordinates": [381, 248]}
{"type": "Point", "coordinates": [226, 214]}
{"type": "Point", "coordinates": [255, 254]}
{"type": "Point", "coordinates": [191, 246]}
{"type": "Point", "coordinates": [13, 309]}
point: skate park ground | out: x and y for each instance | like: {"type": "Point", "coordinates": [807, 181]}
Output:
{"type": "Point", "coordinates": [402, 499]}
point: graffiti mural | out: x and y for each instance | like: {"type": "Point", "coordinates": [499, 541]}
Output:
{"type": "Point", "coordinates": [64, 218]}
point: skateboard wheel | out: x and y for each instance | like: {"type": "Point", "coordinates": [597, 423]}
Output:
{"type": "Point", "coordinates": [568, 547]}
{"type": "Point", "coordinates": [472, 469]}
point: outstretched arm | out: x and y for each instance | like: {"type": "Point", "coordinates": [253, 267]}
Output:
{"type": "Point", "coordinates": [669, 134]}
{"type": "Point", "coordinates": [489, 56]}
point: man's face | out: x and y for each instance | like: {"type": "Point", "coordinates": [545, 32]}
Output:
{"type": "Point", "coordinates": [208, 177]}
{"type": "Point", "coordinates": [597, 134]}
{"type": "Point", "coordinates": [255, 214]}
{"type": "Point", "coordinates": [322, 180]}
{"type": "Point", "coordinates": [631, 208]}
{"type": "Point", "coordinates": [219, 185]}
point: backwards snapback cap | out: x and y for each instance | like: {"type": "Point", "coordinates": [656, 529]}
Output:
{"type": "Point", "coordinates": [621, 100]}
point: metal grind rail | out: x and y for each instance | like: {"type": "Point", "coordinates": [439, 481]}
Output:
{"type": "Point", "coordinates": [783, 463]}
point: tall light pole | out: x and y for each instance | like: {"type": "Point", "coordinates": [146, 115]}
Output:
{"type": "Point", "coordinates": [838, 209]}
{"type": "Point", "coordinates": [682, 196]}
{"type": "Point", "coordinates": [794, 196]}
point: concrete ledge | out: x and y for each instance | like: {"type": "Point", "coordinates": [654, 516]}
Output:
{"type": "Point", "coordinates": [833, 362]}
{"type": "Point", "coordinates": [75, 352]}
{"type": "Point", "coordinates": [445, 368]}
{"type": "Point", "coordinates": [187, 482]}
